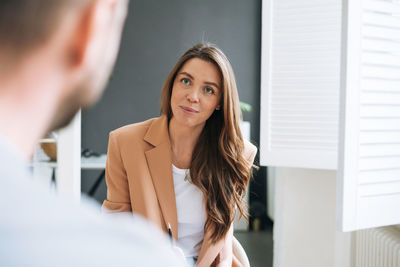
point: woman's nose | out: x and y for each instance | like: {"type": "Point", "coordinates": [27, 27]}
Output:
{"type": "Point", "coordinates": [193, 96]}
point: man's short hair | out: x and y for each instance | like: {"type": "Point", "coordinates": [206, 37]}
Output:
{"type": "Point", "coordinates": [25, 24]}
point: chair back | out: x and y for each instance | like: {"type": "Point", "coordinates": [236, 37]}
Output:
{"type": "Point", "coordinates": [239, 253]}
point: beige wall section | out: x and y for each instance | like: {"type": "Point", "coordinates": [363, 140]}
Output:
{"type": "Point", "coordinates": [305, 232]}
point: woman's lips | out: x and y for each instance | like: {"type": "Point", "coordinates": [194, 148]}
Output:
{"type": "Point", "coordinates": [188, 110]}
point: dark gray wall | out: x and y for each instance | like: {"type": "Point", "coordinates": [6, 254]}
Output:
{"type": "Point", "coordinates": [156, 34]}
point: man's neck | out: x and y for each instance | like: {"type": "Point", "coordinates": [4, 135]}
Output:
{"type": "Point", "coordinates": [27, 102]}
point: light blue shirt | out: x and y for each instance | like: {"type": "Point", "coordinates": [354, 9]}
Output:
{"type": "Point", "coordinates": [38, 228]}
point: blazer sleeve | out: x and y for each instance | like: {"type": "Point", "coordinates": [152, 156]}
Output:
{"type": "Point", "coordinates": [118, 199]}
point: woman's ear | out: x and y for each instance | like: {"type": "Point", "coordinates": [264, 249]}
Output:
{"type": "Point", "coordinates": [218, 107]}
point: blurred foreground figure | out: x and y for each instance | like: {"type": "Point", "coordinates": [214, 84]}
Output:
{"type": "Point", "coordinates": [55, 57]}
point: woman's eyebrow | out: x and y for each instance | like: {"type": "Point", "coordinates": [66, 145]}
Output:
{"type": "Point", "coordinates": [187, 74]}
{"type": "Point", "coordinates": [191, 77]}
{"type": "Point", "coordinates": [211, 83]}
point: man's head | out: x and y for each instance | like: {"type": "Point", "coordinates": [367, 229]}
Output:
{"type": "Point", "coordinates": [74, 42]}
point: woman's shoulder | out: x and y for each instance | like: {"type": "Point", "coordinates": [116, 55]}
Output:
{"type": "Point", "coordinates": [250, 151]}
{"type": "Point", "coordinates": [249, 148]}
{"type": "Point", "coordinates": [133, 130]}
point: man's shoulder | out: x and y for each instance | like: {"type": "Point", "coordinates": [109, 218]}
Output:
{"type": "Point", "coordinates": [35, 220]}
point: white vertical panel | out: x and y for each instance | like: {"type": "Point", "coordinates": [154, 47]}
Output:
{"type": "Point", "coordinates": [69, 159]}
{"type": "Point", "coordinates": [369, 157]}
{"type": "Point", "coordinates": [300, 81]}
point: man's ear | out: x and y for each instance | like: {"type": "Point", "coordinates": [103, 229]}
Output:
{"type": "Point", "coordinates": [93, 18]}
{"type": "Point", "coordinates": [81, 34]}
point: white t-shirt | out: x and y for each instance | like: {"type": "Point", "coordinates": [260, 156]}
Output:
{"type": "Point", "coordinates": [191, 213]}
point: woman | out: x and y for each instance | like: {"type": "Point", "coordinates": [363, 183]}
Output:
{"type": "Point", "coordinates": [187, 171]}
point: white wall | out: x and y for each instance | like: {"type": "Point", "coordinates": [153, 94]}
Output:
{"type": "Point", "coordinates": [305, 224]}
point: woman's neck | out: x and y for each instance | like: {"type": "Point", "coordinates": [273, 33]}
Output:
{"type": "Point", "coordinates": [183, 140]}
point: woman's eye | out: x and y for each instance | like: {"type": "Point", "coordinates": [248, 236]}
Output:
{"type": "Point", "coordinates": [185, 81]}
{"type": "Point", "coordinates": [209, 90]}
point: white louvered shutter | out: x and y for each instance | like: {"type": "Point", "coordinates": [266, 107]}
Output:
{"type": "Point", "coordinates": [369, 157]}
{"type": "Point", "coordinates": [300, 82]}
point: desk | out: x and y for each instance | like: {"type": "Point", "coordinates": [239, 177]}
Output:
{"type": "Point", "coordinates": [95, 163]}
{"type": "Point", "coordinates": [90, 163]}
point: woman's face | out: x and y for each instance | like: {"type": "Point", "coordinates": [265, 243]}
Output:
{"type": "Point", "coordinates": [196, 92]}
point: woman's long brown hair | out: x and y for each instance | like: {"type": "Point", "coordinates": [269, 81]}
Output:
{"type": "Point", "coordinates": [218, 167]}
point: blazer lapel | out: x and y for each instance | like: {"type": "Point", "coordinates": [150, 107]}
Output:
{"type": "Point", "coordinates": [160, 166]}
{"type": "Point", "coordinates": [159, 163]}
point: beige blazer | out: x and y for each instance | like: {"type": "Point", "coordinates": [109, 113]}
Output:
{"type": "Point", "coordinates": [139, 179]}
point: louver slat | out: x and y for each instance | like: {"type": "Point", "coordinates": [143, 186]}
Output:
{"type": "Point", "coordinates": [300, 83]}
{"type": "Point", "coordinates": [369, 173]}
